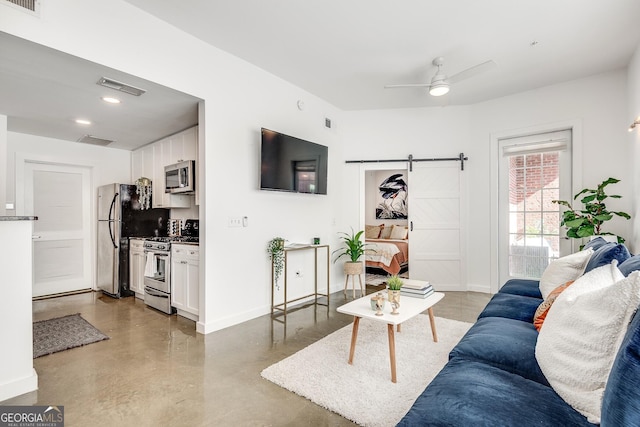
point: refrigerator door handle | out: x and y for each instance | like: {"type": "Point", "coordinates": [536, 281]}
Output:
{"type": "Point", "coordinates": [113, 203]}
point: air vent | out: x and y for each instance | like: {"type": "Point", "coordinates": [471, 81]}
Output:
{"type": "Point", "coordinates": [122, 87]}
{"type": "Point", "coordinates": [32, 6]}
{"type": "Point", "coordinates": [93, 140]}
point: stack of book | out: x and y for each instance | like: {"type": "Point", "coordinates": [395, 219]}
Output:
{"type": "Point", "coordinates": [416, 288]}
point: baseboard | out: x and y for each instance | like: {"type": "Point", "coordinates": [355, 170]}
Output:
{"type": "Point", "coordinates": [19, 386]}
{"type": "Point", "coordinates": [485, 289]}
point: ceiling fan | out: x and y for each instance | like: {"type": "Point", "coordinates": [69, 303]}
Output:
{"type": "Point", "coordinates": [440, 82]}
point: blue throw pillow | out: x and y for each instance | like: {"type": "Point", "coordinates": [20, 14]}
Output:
{"type": "Point", "coordinates": [630, 265]}
{"type": "Point", "coordinates": [607, 253]}
{"type": "Point", "coordinates": [595, 243]}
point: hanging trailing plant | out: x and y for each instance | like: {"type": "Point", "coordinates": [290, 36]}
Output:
{"type": "Point", "coordinates": [143, 190]}
{"type": "Point", "coordinates": [275, 249]}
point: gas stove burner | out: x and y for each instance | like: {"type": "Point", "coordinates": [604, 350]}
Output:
{"type": "Point", "coordinates": [185, 239]}
{"type": "Point", "coordinates": [159, 239]}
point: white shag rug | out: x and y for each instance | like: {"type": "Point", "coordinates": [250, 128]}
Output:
{"type": "Point", "coordinates": [363, 392]}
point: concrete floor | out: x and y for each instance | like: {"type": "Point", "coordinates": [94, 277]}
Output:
{"type": "Point", "coordinates": [157, 371]}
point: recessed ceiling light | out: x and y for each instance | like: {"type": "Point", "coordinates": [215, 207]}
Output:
{"type": "Point", "coordinates": [111, 100]}
{"type": "Point", "coordinates": [83, 122]}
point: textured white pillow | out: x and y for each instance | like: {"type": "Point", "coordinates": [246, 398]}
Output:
{"type": "Point", "coordinates": [582, 333]}
{"type": "Point", "coordinates": [564, 269]}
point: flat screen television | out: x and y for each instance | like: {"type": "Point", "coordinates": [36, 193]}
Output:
{"type": "Point", "coordinates": [292, 164]}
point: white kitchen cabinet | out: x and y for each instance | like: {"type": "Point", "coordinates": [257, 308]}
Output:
{"type": "Point", "coordinates": [149, 161]}
{"type": "Point", "coordinates": [185, 280]}
{"type": "Point", "coordinates": [137, 261]}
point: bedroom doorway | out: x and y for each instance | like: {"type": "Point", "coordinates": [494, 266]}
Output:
{"type": "Point", "coordinates": [386, 221]}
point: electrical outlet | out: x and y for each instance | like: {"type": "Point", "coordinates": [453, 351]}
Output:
{"type": "Point", "coordinates": [235, 222]}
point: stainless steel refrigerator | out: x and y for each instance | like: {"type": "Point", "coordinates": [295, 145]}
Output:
{"type": "Point", "coordinates": [120, 216]}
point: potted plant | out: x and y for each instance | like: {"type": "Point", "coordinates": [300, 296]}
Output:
{"type": "Point", "coordinates": [588, 221]}
{"type": "Point", "coordinates": [354, 248]}
{"type": "Point", "coordinates": [394, 285]}
{"type": "Point", "coordinates": [275, 249]}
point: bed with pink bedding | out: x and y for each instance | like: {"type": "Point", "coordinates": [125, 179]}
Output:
{"type": "Point", "coordinates": [388, 254]}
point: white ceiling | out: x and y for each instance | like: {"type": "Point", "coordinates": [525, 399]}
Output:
{"type": "Point", "coordinates": [43, 91]}
{"type": "Point", "coordinates": [346, 51]}
{"type": "Point", "coordinates": [342, 51]}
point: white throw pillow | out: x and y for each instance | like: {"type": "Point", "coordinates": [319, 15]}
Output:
{"type": "Point", "coordinates": [582, 334]}
{"type": "Point", "coordinates": [562, 270]}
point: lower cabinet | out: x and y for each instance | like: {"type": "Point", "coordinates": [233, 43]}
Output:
{"type": "Point", "coordinates": [185, 280]}
{"type": "Point", "coordinates": [137, 262]}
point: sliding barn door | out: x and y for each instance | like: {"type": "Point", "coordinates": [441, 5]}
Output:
{"type": "Point", "coordinates": [435, 236]}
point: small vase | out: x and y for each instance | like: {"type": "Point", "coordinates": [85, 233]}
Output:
{"type": "Point", "coordinates": [394, 300]}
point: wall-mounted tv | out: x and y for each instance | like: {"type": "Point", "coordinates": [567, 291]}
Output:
{"type": "Point", "coordinates": [292, 164]}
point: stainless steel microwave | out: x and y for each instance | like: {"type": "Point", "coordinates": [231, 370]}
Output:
{"type": "Point", "coordinates": [180, 177]}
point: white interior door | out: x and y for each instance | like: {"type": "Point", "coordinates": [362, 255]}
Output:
{"type": "Point", "coordinates": [435, 234]}
{"type": "Point", "coordinates": [60, 197]}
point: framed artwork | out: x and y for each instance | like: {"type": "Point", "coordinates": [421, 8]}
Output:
{"type": "Point", "coordinates": [392, 199]}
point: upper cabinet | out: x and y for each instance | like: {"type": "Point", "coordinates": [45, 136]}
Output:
{"type": "Point", "coordinates": [150, 160]}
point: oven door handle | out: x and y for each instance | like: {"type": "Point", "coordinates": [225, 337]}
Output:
{"type": "Point", "coordinates": [149, 291]}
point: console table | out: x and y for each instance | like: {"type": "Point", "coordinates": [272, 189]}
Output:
{"type": "Point", "coordinates": [283, 307]}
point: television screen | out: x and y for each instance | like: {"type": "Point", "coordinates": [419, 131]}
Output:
{"type": "Point", "coordinates": [292, 164]}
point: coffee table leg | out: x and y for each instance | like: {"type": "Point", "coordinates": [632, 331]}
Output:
{"type": "Point", "coordinates": [432, 320]}
{"type": "Point", "coordinates": [354, 336]}
{"type": "Point", "coordinates": [392, 351]}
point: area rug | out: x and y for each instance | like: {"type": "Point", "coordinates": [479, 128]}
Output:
{"type": "Point", "coordinates": [363, 392]}
{"type": "Point", "coordinates": [62, 333]}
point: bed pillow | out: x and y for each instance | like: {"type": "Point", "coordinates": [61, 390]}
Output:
{"type": "Point", "coordinates": [372, 231]}
{"type": "Point", "coordinates": [399, 232]}
{"type": "Point", "coordinates": [582, 333]}
{"type": "Point", "coordinates": [562, 270]}
{"type": "Point", "coordinates": [385, 232]}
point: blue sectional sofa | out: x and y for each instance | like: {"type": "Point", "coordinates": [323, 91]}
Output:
{"type": "Point", "coordinates": [493, 378]}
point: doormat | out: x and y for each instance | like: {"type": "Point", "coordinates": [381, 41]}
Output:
{"type": "Point", "coordinates": [63, 333]}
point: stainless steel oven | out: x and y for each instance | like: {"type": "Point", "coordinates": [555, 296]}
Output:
{"type": "Point", "coordinates": [157, 274]}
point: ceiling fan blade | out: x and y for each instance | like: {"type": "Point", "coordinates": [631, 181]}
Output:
{"type": "Point", "coordinates": [470, 72]}
{"type": "Point", "coordinates": [407, 85]}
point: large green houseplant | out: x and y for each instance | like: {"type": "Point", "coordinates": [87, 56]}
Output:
{"type": "Point", "coordinates": [588, 221]}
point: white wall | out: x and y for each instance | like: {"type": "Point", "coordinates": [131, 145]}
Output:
{"type": "Point", "coordinates": [239, 99]}
{"type": "Point", "coordinates": [597, 104]}
{"type": "Point", "coordinates": [633, 139]}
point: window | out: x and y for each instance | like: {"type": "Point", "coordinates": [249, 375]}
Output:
{"type": "Point", "coordinates": [534, 171]}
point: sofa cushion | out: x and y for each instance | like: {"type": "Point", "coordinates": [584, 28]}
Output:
{"type": "Point", "coordinates": [621, 401]}
{"type": "Point", "coordinates": [607, 253]}
{"type": "Point", "coordinates": [630, 265]}
{"type": "Point", "coordinates": [563, 269]}
{"type": "Point", "coordinates": [468, 392]}
{"type": "Point", "coordinates": [524, 287]}
{"type": "Point", "coordinates": [582, 334]}
{"type": "Point", "coordinates": [512, 307]}
{"type": "Point", "coordinates": [504, 343]}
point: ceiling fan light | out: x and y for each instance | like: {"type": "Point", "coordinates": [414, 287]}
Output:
{"type": "Point", "coordinates": [439, 89]}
